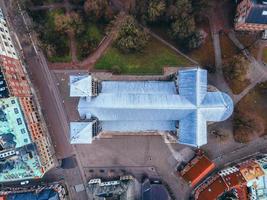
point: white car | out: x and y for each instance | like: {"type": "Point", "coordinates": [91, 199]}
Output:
{"type": "Point", "coordinates": [2, 88]}
{"type": "Point", "coordinates": [24, 182]}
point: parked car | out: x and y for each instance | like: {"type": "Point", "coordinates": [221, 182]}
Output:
{"type": "Point", "coordinates": [1, 82]}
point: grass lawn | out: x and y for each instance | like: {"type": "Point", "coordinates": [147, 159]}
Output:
{"type": "Point", "coordinates": [254, 104]}
{"type": "Point", "coordinates": [155, 56]}
{"type": "Point", "coordinates": [204, 54]}
{"type": "Point", "coordinates": [66, 58]}
{"type": "Point", "coordinates": [236, 85]}
{"type": "Point", "coordinates": [227, 47]}
{"type": "Point", "coordinates": [250, 41]}
{"type": "Point", "coordinates": [264, 55]}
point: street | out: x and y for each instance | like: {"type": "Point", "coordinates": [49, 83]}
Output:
{"type": "Point", "coordinates": [48, 95]}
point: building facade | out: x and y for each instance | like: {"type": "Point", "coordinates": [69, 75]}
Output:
{"type": "Point", "coordinates": [251, 15]}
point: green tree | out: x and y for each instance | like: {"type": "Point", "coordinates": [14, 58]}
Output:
{"type": "Point", "coordinates": [98, 9]}
{"type": "Point", "coordinates": [183, 28]}
{"type": "Point", "coordinates": [131, 37]}
{"type": "Point", "coordinates": [155, 10]}
{"type": "Point", "coordinates": [195, 40]}
{"type": "Point", "coordinates": [236, 68]}
{"type": "Point", "coordinates": [67, 23]}
{"type": "Point", "coordinates": [201, 6]}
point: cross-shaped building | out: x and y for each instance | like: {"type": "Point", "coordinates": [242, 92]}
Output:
{"type": "Point", "coordinates": [183, 105]}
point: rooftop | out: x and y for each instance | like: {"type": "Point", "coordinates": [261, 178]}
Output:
{"type": "Point", "coordinates": [152, 191]}
{"type": "Point", "coordinates": [48, 194]}
{"type": "Point", "coordinates": [13, 130]}
{"type": "Point", "coordinates": [3, 86]}
{"type": "Point", "coordinates": [81, 133]}
{"type": "Point", "coordinates": [257, 13]}
{"type": "Point", "coordinates": [214, 190]}
{"type": "Point", "coordinates": [251, 171]}
{"type": "Point", "coordinates": [197, 169]}
{"type": "Point", "coordinates": [18, 156]}
{"type": "Point", "coordinates": [234, 179]}
{"type": "Point", "coordinates": [132, 106]}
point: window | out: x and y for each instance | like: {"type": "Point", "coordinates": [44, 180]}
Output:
{"type": "Point", "coordinates": [22, 131]}
{"type": "Point", "coordinates": [13, 101]}
{"type": "Point", "coordinates": [16, 110]}
{"type": "Point", "coordinates": [26, 140]}
{"type": "Point", "coordinates": [19, 121]}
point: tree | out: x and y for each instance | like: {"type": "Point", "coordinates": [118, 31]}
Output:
{"type": "Point", "coordinates": [98, 9]}
{"type": "Point", "coordinates": [179, 10]}
{"type": "Point", "coordinates": [155, 9]}
{"type": "Point", "coordinates": [200, 6]}
{"type": "Point", "coordinates": [236, 68]}
{"type": "Point", "coordinates": [183, 28]}
{"type": "Point", "coordinates": [67, 23]}
{"type": "Point", "coordinates": [131, 37]}
{"type": "Point", "coordinates": [195, 40]}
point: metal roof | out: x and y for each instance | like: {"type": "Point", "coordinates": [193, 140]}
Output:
{"type": "Point", "coordinates": [257, 13]}
{"type": "Point", "coordinates": [81, 132]}
{"type": "Point", "coordinates": [80, 86]}
{"type": "Point", "coordinates": [159, 105]}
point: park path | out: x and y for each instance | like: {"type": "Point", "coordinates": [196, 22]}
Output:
{"type": "Point", "coordinates": [257, 73]}
{"type": "Point", "coordinates": [52, 6]}
{"type": "Point", "coordinates": [89, 62]}
{"type": "Point", "coordinates": [105, 43]}
{"type": "Point", "coordinates": [216, 24]}
{"type": "Point", "coordinates": [71, 35]}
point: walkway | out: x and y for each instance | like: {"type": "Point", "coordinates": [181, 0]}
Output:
{"type": "Point", "coordinates": [52, 6]}
{"type": "Point", "coordinates": [215, 28]}
{"type": "Point", "coordinates": [105, 43]}
{"type": "Point", "coordinates": [89, 62]}
{"type": "Point", "coordinates": [257, 73]}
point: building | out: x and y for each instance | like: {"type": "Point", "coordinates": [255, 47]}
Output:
{"type": "Point", "coordinates": [56, 191]}
{"type": "Point", "coordinates": [251, 15]}
{"type": "Point", "coordinates": [4, 93]}
{"type": "Point", "coordinates": [18, 155]}
{"type": "Point", "coordinates": [25, 148]}
{"type": "Point", "coordinates": [183, 106]}
{"type": "Point", "coordinates": [15, 77]}
{"type": "Point", "coordinates": [246, 181]}
{"type": "Point", "coordinates": [154, 190]}
{"type": "Point", "coordinates": [198, 168]}
{"type": "Point", "coordinates": [122, 188]}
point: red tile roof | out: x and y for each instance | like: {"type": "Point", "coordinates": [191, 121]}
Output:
{"type": "Point", "coordinates": [234, 179]}
{"type": "Point", "coordinates": [212, 190]}
{"type": "Point", "coordinates": [197, 169]}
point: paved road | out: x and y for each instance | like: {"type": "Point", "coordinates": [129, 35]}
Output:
{"type": "Point", "coordinates": [47, 92]}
